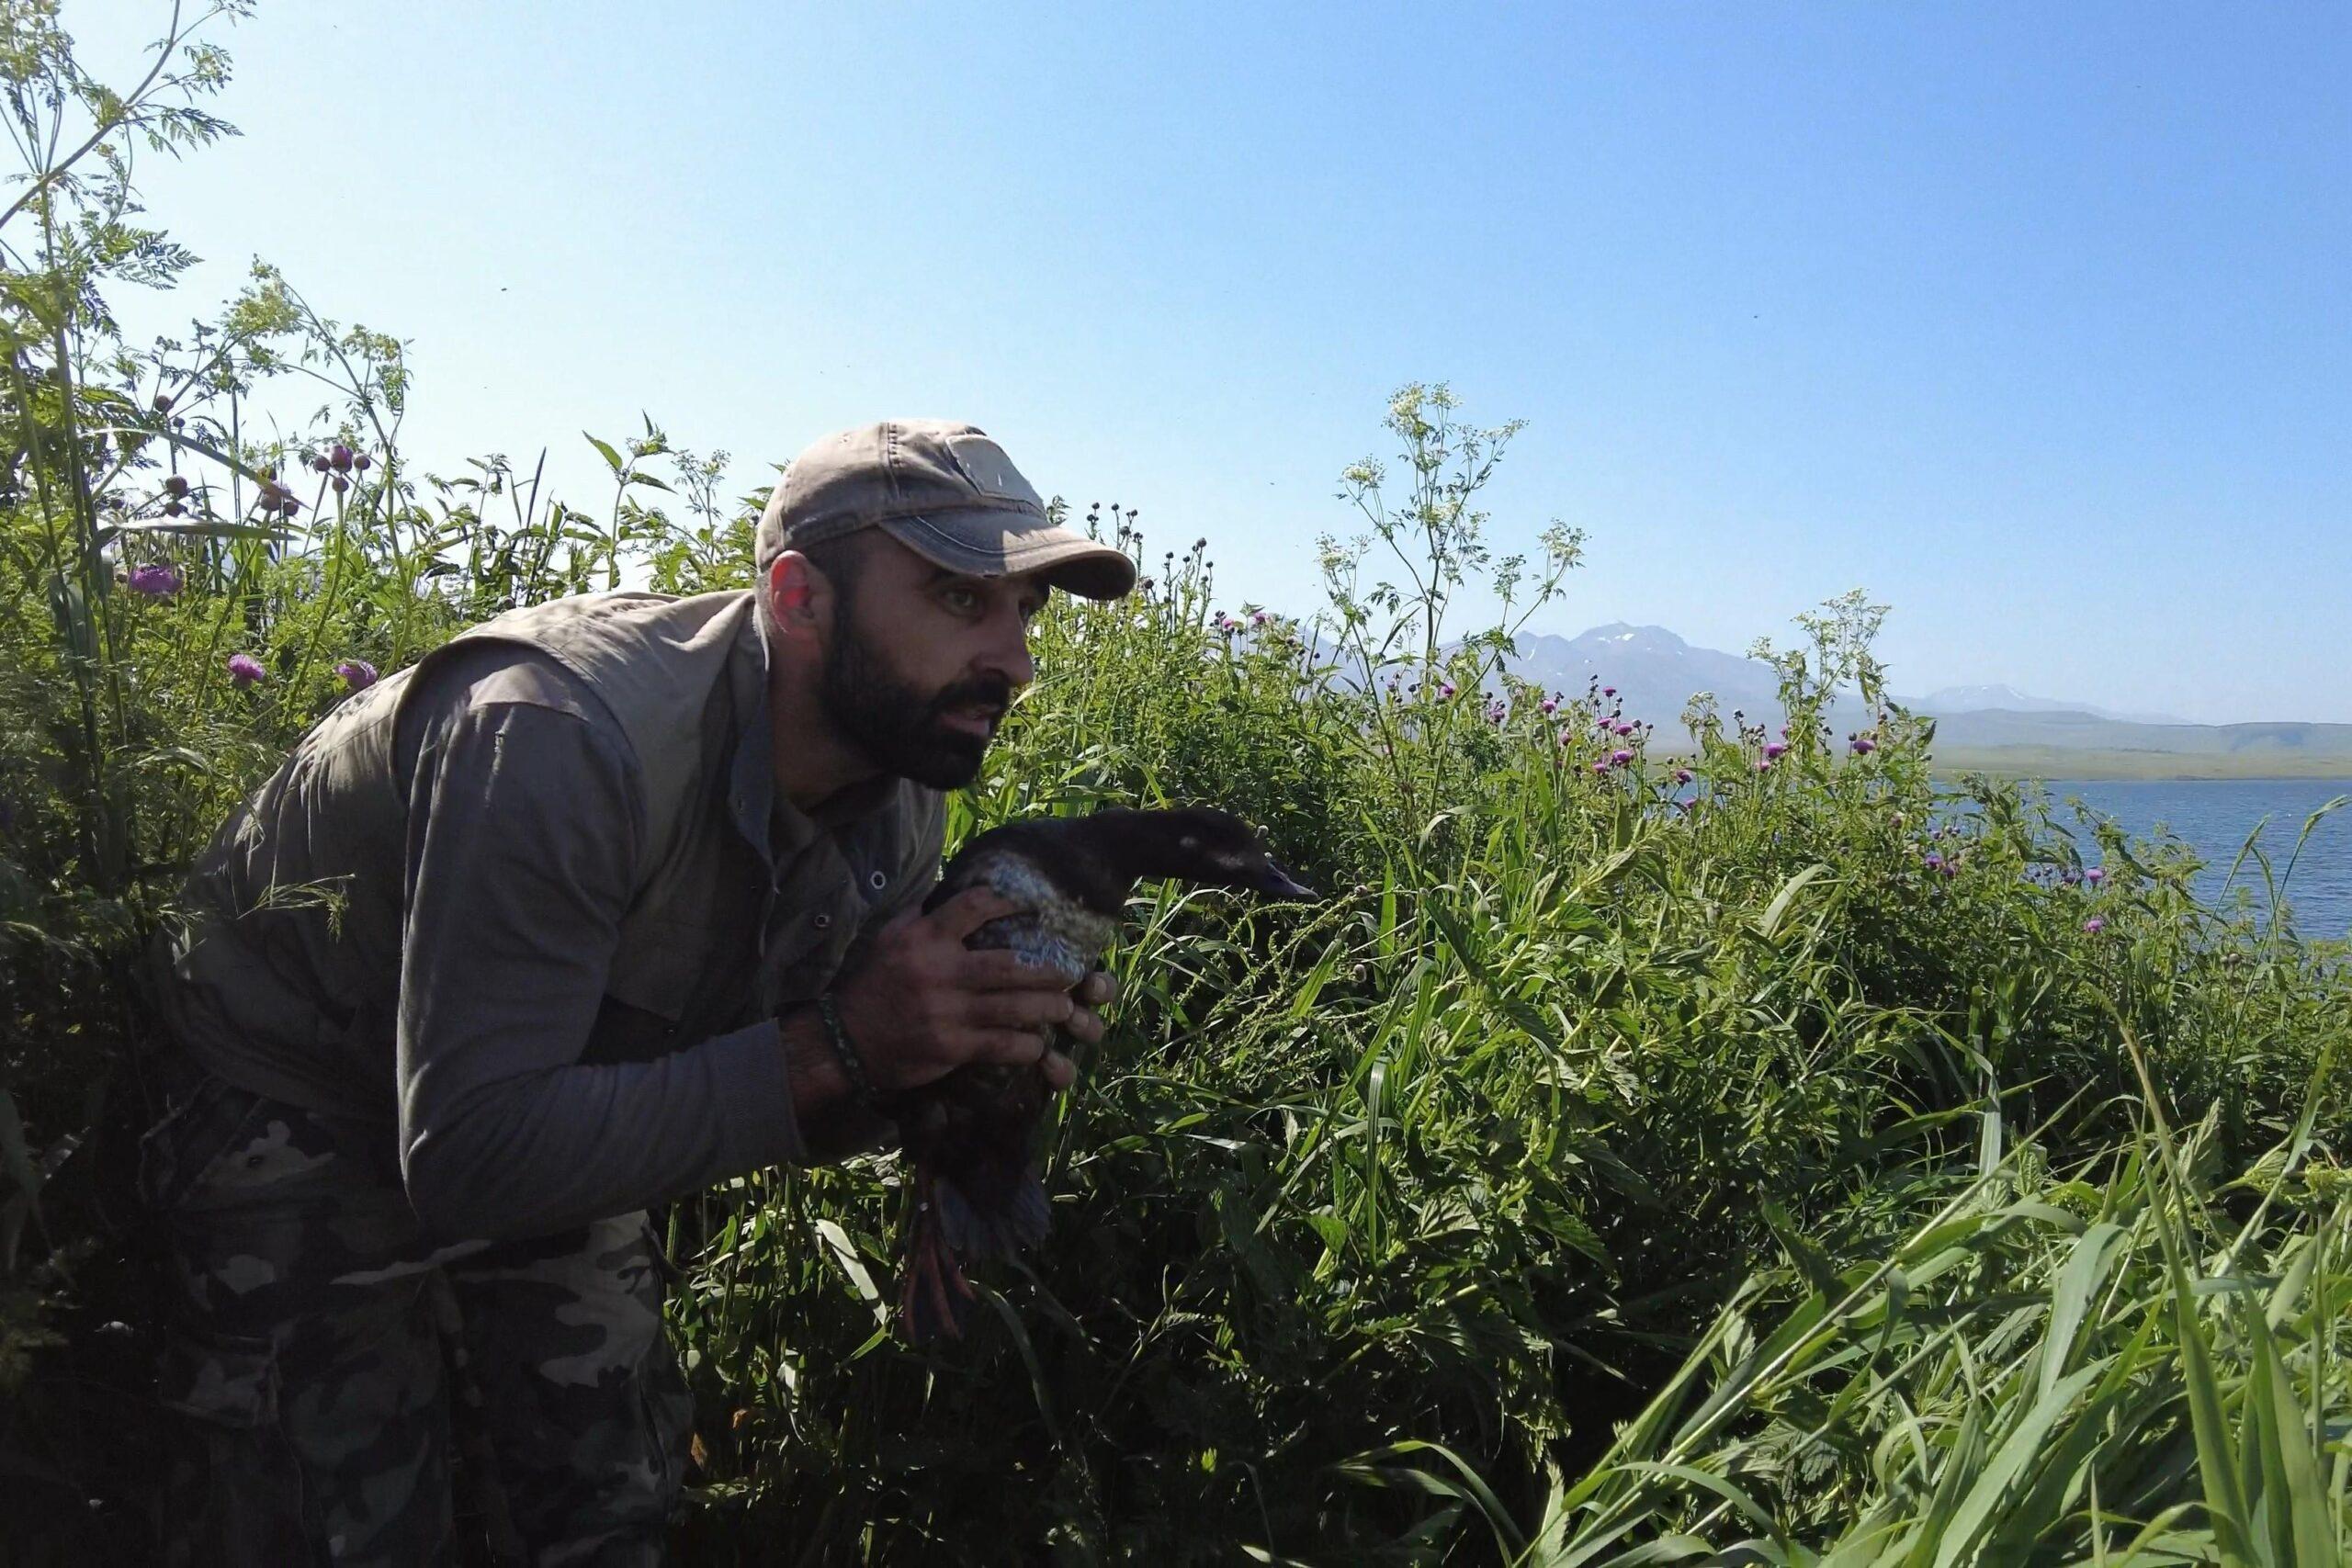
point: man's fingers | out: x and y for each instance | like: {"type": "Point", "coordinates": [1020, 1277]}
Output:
{"type": "Point", "coordinates": [1012, 1047]}
{"type": "Point", "coordinates": [997, 969]}
{"type": "Point", "coordinates": [1098, 989]}
{"type": "Point", "coordinates": [969, 910]}
{"type": "Point", "coordinates": [1031, 1010]}
{"type": "Point", "coordinates": [1084, 1023]}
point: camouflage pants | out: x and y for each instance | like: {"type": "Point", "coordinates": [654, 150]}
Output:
{"type": "Point", "coordinates": [322, 1358]}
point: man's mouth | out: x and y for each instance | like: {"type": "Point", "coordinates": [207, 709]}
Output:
{"type": "Point", "coordinates": [979, 721]}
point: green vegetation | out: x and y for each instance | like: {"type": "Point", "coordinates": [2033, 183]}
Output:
{"type": "Point", "coordinates": [1589, 1179]}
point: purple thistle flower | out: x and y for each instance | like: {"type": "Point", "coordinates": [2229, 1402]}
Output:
{"type": "Point", "coordinates": [1608, 691]}
{"type": "Point", "coordinates": [1935, 863]}
{"type": "Point", "coordinates": [1682, 775]}
{"type": "Point", "coordinates": [244, 670]}
{"type": "Point", "coordinates": [357, 674]}
{"type": "Point", "coordinates": [2094, 925]}
{"type": "Point", "coordinates": [1567, 736]}
{"type": "Point", "coordinates": [1258, 617]}
{"type": "Point", "coordinates": [1863, 745]}
{"type": "Point", "coordinates": [1774, 751]}
{"type": "Point", "coordinates": [2095, 875]}
{"type": "Point", "coordinates": [1601, 769]}
{"type": "Point", "coordinates": [1446, 690]}
{"type": "Point", "coordinates": [156, 581]}
{"type": "Point", "coordinates": [1764, 765]}
{"type": "Point", "coordinates": [340, 457]}
{"type": "Point", "coordinates": [1619, 758]}
{"type": "Point", "coordinates": [1549, 707]}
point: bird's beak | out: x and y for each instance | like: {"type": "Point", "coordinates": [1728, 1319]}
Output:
{"type": "Point", "coordinates": [1282, 883]}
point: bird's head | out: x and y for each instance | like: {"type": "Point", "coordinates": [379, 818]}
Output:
{"type": "Point", "coordinates": [1206, 847]}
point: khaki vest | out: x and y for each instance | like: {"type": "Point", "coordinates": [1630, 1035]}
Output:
{"type": "Point", "coordinates": [288, 981]}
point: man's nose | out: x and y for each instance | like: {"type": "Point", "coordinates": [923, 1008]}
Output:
{"type": "Point", "coordinates": [1008, 652]}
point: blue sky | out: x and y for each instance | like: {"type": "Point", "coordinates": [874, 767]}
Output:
{"type": "Point", "coordinates": [2030, 320]}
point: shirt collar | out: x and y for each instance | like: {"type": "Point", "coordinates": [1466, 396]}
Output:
{"type": "Point", "coordinates": [767, 820]}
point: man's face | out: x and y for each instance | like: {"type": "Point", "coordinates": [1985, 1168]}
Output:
{"type": "Point", "coordinates": [922, 662]}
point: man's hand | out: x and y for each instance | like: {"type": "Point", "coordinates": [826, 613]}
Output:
{"type": "Point", "coordinates": [923, 1004]}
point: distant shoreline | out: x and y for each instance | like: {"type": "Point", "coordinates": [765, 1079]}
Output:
{"type": "Point", "coordinates": [2149, 767]}
{"type": "Point", "coordinates": [2048, 762]}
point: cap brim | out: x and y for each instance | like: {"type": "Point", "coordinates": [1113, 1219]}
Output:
{"type": "Point", "coordinates": [987, 542]}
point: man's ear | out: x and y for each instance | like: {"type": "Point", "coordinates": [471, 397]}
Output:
{"type": "Point", "coordinates": [799, 596]}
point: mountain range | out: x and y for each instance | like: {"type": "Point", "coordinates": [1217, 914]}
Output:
{"type": "Point", "coordinates": [1655, 673]}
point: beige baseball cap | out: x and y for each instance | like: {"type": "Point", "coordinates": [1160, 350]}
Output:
{"type": "Point", "coordinates": [945, 490]}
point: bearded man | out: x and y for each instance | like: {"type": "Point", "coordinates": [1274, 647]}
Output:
{"type": "Point", "coordinates": [530, 937]}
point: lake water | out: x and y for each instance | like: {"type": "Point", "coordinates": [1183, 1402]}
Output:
{"type": "Point", "coordinates": [2214, 816]}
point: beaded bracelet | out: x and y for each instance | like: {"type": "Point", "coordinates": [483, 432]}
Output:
{"type": "Point", "coordinates": [853, 1065]}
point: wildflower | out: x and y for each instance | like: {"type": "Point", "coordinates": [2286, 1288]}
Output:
{"type": "Point", "coordinates": [1764, 765]}
{"type": "Point", "coordinates": [1601, 769]}
{"type": "Point", "coordinates": [1549, 707]}
{"type": "Point", "coordinates": [1682, 775]}
{"type": "Point", "coordinates": [1935, 863]}
{"type": "Point", "coordinates": [2094, 925]}
{"type": "Point", "coordinates": [320, 464]}
{"type": "Point", "coordinates": [2095, 875]}
{"type": "Point", "coordinates": [156, 581]}
{"type": "Point", "coordinates": [1863, 745]}
{"type": "Point", "coordinates": [340, 457]}
{"type": "Point", "coordinates": [174, 486]}
{"type": "Point", "coordinates": [1567, 736]}
{"type": "Point", "coordinates": [1257, 617]}
{"type": "Point", "coordinates": [357, 674]}
{"type": "Point", "coordinates": [1446, 690]}
{"type": "Point", "coordinates": [1773, 750]}
{"type": "Point", "coordinates": [244, 670]}
{"type": "Point", "coordinates": [162, 402]}
{"type": "Point", "coordinates": [172, 509]}
{"type": "Point", "coordinates": [360, 462]}
{"type": "Point", "coordinates": [1619, 758]}
{"type": "Point", "coordinates": [1608, 691]}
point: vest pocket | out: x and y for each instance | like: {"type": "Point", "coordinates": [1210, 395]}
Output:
{"type": "Point", "coordinates": [657, 964]}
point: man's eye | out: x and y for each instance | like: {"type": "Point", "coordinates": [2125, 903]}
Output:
{"type": "Point", "coordinates": [960, 599]}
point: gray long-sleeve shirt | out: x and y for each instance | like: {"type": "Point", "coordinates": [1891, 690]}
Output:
{"type": "Point", "coordinates": [544, 1074]}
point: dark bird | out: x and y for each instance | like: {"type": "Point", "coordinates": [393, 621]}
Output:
{"type": "Point", "coordinates": [971, 1135]}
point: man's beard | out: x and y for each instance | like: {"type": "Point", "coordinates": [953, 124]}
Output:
{"type": "Point", "coordinates": [896, 726]}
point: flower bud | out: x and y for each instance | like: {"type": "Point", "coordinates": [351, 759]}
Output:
{"type": "Point", "coordinates": [173, 485]}
{"type": "Point", "coordinates": [359, 461]}
{"type": "Point", "coordinates": [341, 457]}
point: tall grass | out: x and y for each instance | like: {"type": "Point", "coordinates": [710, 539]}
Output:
{"type": "Point", "coordinates": [1768, 1166]}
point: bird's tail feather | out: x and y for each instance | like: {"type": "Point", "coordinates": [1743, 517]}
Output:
{"type": "Point", "coordinates": [981, 1231]}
